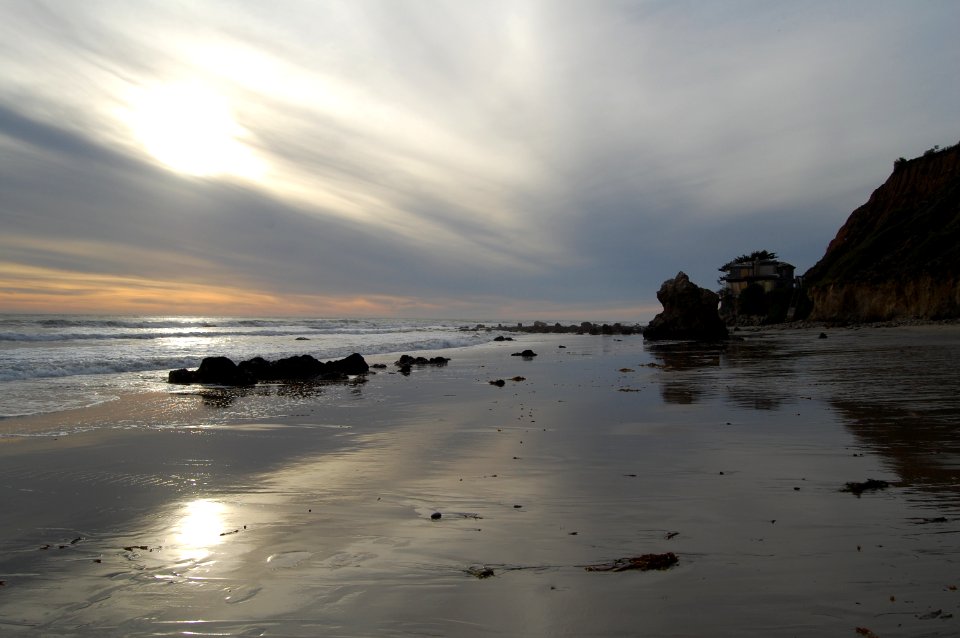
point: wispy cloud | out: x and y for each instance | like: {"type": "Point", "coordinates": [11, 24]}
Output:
{"type": "Point", "coordinates": [503, 155]}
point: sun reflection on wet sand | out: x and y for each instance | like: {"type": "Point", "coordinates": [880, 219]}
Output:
{"type": "Point", "coordinates": [199, 529]}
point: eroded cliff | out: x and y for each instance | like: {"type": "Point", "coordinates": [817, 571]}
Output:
{"type": "Point", "coordinates": [898, 255]}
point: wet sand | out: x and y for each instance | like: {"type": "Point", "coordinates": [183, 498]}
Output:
{"type": "Point", "coordinates": [306, 512]}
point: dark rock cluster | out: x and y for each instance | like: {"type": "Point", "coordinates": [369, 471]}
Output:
{"type": "Point", "coordinates": [223, 371]}
{"type": "Point", "coordinates": [542, 327]}
{"type": "Point", "coordinates": [406, 362]}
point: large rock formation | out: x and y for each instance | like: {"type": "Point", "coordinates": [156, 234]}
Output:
{"type": "Point", "coordinates": [898, 255]}
{"type": "Point", "coordinates": [689, 312]}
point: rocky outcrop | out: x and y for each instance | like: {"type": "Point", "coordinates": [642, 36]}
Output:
{"type": "Point", "coordinates": [223, 371]}
{"type": "Point", "coordinates": [213, 370]}
{"type": "Point", "coordinates": [898, 255]}
{"type": "Point", "coordinates": [689, 313]}
{"type": "Point", "coordinates": [542, 327]}
{"type": "Point", "coordinates": [920, 297]}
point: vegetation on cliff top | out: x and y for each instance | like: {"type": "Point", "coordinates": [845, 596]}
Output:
{"type": "Point", "coordinates": [757, 255]}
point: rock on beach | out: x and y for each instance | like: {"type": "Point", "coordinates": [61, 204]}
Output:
{"type": "Point", "coordinates": [689, 313]}
{"type": "Point", "coordinates": [223, 371]}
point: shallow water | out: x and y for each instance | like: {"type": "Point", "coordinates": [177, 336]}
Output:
{"type": "Point", "coordinates": [320, 523]}
{"type": "Point", "coordinates": [57, 363]}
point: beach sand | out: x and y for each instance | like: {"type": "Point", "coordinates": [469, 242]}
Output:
{"type": "Point", "coordinates": [310, 511]}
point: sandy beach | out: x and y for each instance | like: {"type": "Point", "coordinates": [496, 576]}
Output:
{"type": "Point", "coordinates": [312, 511]}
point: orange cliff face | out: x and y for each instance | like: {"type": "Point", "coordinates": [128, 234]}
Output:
{"type": "Point", "coordinates": [898, 255]}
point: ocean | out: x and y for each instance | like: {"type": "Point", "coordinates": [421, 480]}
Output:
{"type": "Point", "coordinates": [54, 363]}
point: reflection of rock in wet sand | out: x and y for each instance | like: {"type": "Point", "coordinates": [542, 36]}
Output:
{"type": "Point", "coordinates": [922, 446]}
{"type": "Point", "coordinates": [896, 391]}
{"type": "Point", "coordinates": [764, 374]}
{"type": "Point", "coordinates": [679, 364]}
{"type": "Point", "coordinates": [753, 374]}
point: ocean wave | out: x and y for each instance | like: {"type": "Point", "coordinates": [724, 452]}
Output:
{"type": "Point", "coordinates": [121, 362]}
{"type": "Point", "coordinates": [119, 323]}
{"type": "Point", "coordinates": [113, 336]}
{"type": "Point", "coordinates": [20, 372]}
{"type": "Point", "coordinates": [40, 329]}
{"type": "Point", "coordinates": [210, 334]}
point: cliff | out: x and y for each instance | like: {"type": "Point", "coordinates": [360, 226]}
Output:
{"type": "Point", "coordinates": [898, 255]}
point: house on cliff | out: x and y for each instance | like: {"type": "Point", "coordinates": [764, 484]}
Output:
{"type": "Point", "coordinates": [758, 287]}
{"type": "Point", "coordinates": [768, 272]}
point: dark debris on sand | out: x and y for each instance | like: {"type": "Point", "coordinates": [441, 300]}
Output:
{"type": "Point", "coordinates": [870, 485]}
{"type": "Point", "coordinates": [480, 571]}
{"type": "Point", "coordinates": [644, 562]}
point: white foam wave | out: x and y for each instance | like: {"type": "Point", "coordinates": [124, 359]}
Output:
{"type": "Point", "coordinates": [53, 363]}
{"type": "Point", "coordinates": [46, 368]}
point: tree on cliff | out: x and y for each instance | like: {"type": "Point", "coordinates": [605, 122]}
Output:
{"type": "Point", "coordinates": [757, 255]}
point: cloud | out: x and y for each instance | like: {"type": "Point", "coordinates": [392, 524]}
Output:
{"type": "Point", "coordinates": [507, 155]}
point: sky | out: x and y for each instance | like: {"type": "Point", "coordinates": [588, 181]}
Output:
{"type": "Point", "coordinates": [505, 159]}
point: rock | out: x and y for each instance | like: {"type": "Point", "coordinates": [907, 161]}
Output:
{"type": "Point", "coordinates": [526, 354]}
{"type": "Point", "coordinates": [405, 361]}
{"type": "Point", "coordinates": [182, 376]}
{"type": "Point", "coordinates": [499, 383]}
{"type": "Point", "coordinates": [689, 313]}
{"type": "Point", "coordinates": [304, 368]}
{"type": "Point", "coordinates": [258, 367]}
{"type": "Point", "coordinates": [436, 516]}
{"type": "Point", "coordinates": [294, 368]}
{"type": "Point", "coordinates": [502, 338]}
{"type": "Point", "coordinates": [223, 371]}
{"type": "Point", "coordinates": [352, 365]}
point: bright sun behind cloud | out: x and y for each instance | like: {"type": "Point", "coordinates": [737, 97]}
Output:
{"type": "Point", "coordinates": [190, 129]}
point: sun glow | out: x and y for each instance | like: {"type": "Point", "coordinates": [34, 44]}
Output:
{"type": "Point", "coordinates": [190, 129]}
{"type": "Point", "coordinates": [199, 528]}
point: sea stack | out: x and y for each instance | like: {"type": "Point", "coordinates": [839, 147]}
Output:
{"type": "Point", "coordinates": [689, 313]}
